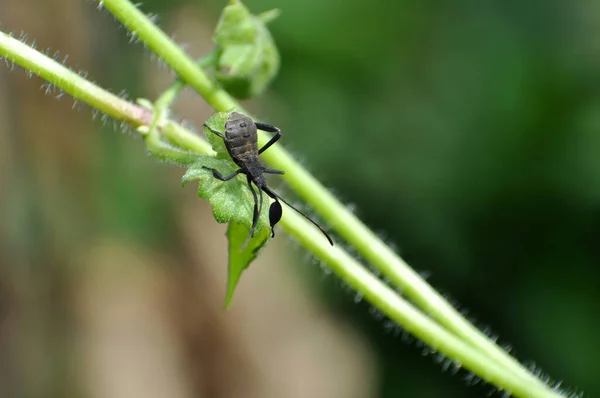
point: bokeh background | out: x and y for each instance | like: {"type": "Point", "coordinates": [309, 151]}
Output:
{"type": "Point", "coordinates": [465, 133]}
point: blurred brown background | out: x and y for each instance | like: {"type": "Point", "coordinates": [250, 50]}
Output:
{"type": "Point", "coordinates": [468, 134]}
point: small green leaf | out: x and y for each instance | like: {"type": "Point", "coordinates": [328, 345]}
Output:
{"type": "Point", "coordinates": [231, 201]}
{"type": "Point", "coordinates": [240, 259]}
{"type": "Point", "coordinates": [248, 57]}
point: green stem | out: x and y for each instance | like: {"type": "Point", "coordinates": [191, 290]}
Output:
{"type": "Point", "coordinates": [79, 88]}
{"type": "Point", "coordinates": [157, 147]}
{"type": "Point", "coordinates": [347, 225]}
{"type": "Point", "coordinates": [169, 52]}
{"type": "Point", "coordinates": [70, 82]}
{"type": "Point", "coordinates": [410, 318]}
{"type": "Point", "coordinates": [166, 99]}
{"type": "Point", "coordinates": [184, 138]}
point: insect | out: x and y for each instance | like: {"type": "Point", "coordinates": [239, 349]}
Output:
{"type": "Point", "coordinates": [241, 141]}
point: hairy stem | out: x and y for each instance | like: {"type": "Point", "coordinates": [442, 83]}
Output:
{"type": "Point", "coordinates": [169, 52]}
{"type": "Point", "coordinates": [169, 96]}
{"type": "Point", "coordinates": [410, 318]}
{"type": "Point", "coordinates": [155, 145]}
{"type": "Point", "coordinates": [70, 82]}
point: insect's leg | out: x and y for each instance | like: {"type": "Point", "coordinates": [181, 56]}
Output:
{"type": "Point", "coordinates": [256, 213]}
{"type": "Point", "coordinates": [220, 177]}
{"type": "Point", "coordinates": [270, 129]}
{"type": "Point", "coordinates": [213, 131]}
{"type": "Point", "coordinates": [273, 171]}
{"type": "Point", "coordinates": [275, 212]}
{"type": "Point", "coordinates": [261, 202]}
{"type": "Point", "coordinates": [267, 127]}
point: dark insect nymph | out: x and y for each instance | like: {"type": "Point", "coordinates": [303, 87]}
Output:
{"type": "Point", "coordinates": [241, 141]}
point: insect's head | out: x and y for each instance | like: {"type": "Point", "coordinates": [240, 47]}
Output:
{"type": "Point", "coordinates": [239, 125]}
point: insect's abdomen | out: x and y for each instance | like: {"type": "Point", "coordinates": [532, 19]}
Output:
{"type": "Point", "coordinates": [242, 150]}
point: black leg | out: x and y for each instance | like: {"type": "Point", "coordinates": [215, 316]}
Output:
{"type": "Point", "coordinates": [270, 129]}
{"type": "Point", "coordinates": [213, 131]}
{"type": "Point", "coordinates": [256, 214]}
{"type": "Point", "coordinates": [273, 171]}
{"type": "Point", "coordinates": [261, 202]}
{"type": "Point", "coordinates": [220, 177]}
{"type": "Point", "coordinates": [267, 127]}
{"type": "Point", "coordinates": [256, 210]}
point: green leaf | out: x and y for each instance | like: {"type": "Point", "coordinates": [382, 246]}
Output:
{"type": "Point", "coordinates": [231, 202]}
{"type": "Point", "coordinates": [248, 58]}
{"type": "Point", "coordinates": [240, 259]}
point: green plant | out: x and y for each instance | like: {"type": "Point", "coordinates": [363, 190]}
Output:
{"type": "Point", "coordinates": [244, 62]}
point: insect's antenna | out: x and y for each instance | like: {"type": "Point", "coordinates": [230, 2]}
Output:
{"type": "Point", "coordinates": [276, 196]}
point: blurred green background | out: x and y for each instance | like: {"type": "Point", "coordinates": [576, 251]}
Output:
{"type": "Point", "coordinates": [466, 134]}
